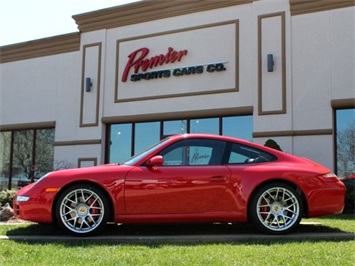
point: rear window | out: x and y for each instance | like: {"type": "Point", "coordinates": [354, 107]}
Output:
{"type": "Point", "coordinates": [241, 154]}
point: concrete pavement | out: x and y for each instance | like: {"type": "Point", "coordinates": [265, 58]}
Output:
{"type": "Point", "coordinates": [185, 239]}
{"type": "Point", "coordinates": [173, 234]}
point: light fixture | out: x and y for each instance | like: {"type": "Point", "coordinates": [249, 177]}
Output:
{"type": "Point", "coordinates": [270, 63]}
{"type": "Point", "coordinates": [88, 84]}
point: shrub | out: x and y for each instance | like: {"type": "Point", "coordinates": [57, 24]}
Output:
{"type": "Point", "coordinates": [272, 144]}
{"type": "Point", "coordinates": [349, 196]}
{"type": "Point", "coordinates": [7, 196]}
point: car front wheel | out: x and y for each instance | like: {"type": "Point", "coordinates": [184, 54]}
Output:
{"type": "Point", "coordinates": [82, 210]}
{"type": "Point", "coordinates": [276, 208]}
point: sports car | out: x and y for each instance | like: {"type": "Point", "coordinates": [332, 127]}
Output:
{"type": "Point", "coordinates": [186, 178]}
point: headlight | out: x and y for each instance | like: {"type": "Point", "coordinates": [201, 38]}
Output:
{"type": "Point", "coordinates": [22, 198]}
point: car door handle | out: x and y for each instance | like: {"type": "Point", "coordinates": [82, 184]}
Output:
{"type": "Point", "coordinates": [218, 178]}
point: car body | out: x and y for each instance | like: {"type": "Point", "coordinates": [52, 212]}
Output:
{"type": "Point", "coordinates": [187, 178]}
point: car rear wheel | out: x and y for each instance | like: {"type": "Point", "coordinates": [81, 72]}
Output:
{"type": "Point", "coordinates": [82, 210]}
{"type": "Point", "coordinates": [276, 208]}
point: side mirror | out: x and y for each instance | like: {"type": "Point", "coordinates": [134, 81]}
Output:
{"type": "Point", "coordinates": [155, 161]}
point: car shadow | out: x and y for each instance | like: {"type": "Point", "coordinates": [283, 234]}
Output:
{"type": "Point", "coordinates": [156, 234]}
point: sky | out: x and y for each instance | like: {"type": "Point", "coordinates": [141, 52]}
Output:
{"type": "Point", "coordinates": [26, 20]}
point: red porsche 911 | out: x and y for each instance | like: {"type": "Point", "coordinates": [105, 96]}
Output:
{"type": "Point", "coordinates": [186, 178]}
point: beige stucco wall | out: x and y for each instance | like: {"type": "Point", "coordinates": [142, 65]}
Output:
{"type": "Point", "coordinates": [318, 67]}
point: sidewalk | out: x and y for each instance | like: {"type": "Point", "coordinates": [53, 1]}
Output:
{"type": "Point", "coordinates": [174, 235]}
{"type": "Point", "coordinates": [186, 239]}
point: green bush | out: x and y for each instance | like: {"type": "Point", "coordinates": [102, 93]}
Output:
{"type": "Point", "coordinates": [6, 196]}
{"type": "Point", "coordinates": [272, 144]}
{"type": "Point", "coordinates": [349, 197]}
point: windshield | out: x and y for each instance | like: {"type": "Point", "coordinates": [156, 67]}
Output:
{"type": "Point", "coordinates": [139, 156]}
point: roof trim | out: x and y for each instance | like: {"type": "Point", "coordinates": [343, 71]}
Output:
{"type": "Point", "coordinates": [27, 126]}
{"type": "Point", "coordinates": [41, 47]}
{"type": "Point", "coordinates": [343, 103]}
{"type": "Point", "coordinates": [140, 12]}
{"type": "Point", "coordinates": [300, 7]}
{"type": "Point", "coordinates": [243, 110]}
{"type": "Point", "coordinates": [147, 10]}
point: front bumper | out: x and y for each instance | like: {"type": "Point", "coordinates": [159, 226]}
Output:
{"type": "Point", "coordinates": [38, 207]}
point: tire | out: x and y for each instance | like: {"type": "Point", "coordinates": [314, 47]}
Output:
{"type": "Point", "coordinates": [82, 210]}
{"type": "Point", "coordinates": [276, 208]}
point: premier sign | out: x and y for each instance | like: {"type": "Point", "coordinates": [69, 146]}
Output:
{"type": "Point", "coordinates": [140, 64]}
{"type": "Point", "coordinates": [197, 61]}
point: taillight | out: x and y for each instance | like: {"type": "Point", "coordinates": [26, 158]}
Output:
{"type": "Point", "coordinates": [329, 177]}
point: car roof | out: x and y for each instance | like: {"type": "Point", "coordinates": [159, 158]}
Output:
{"type": "Point", "coordinates": [230, 139]}
{"type": "Point", "coordinates": [212, 136]}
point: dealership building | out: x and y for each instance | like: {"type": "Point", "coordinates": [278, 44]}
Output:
{"type": "Point", "coordinates": [133, 74]}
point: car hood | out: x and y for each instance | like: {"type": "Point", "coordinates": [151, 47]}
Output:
{"type": "Point", "coordinates": [103, 174]}
{"type": "Point", "coordinates": [105, 168]}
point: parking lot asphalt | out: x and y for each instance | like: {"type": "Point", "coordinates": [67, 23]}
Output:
{"type": "Point", "coordinates": [185, 239]}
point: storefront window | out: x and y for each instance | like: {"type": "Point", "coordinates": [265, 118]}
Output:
{"type": "Point", "coordinates": [5, 146]}
{"type": "Point", "coordinates": [204, 125]}
{"type": "Point", "coordinates": [44, 152]}
{"type": "Point", "coordinates": [22, 157]}
{"type": "Point", "coordinates": [174, 127]}
{"type": "Point", "coordinates": [120, 143]}
{"type": "Point", "coordinates": [238, 127]}
{"type": "Point", "coordinates": [345, 142]}
{"type": "Point", "coordinates": [142, 135]}
{"type": "Point", "coordinates": [25, 156]}
{"type": "Point", "coordinates": [146, 134]}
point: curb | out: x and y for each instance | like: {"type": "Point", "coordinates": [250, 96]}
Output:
{"type": "Point", "coordinates": [185, 239]}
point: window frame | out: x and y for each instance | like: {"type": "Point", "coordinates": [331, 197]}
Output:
{"type": "Point", "coordinates": [193, 143]}
{"type": "Point", "coordinates": [337, 108]}
{"type": "Point", "coordinates": [33, 158]}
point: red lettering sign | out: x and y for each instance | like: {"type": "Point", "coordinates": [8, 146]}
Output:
{"type": "Point", "coordinates": [137, 60]}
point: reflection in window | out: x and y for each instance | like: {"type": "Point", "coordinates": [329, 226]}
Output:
{"type": "Point", "coordinates": [146, 134]}
{"type": "Point", "coordinates": [120, 143]}
{"type": "Point", "coordinates": [22, 156]}
{"type": "Point", "coordinates": [244, 154]}
{"type": "Point", "coordinates": [5, 146]}
{"type": "Point", "coordinates": [174, 127]}
{"type": "Point", "coordinates": [25, 156]}
{"type": "Point", "coordinates": [194, 152]}
{"type": "Point", "coordinates": [204, 125]}
{"type": "Point", "coordinates": [345, 142]}
{"type": "Point", "coordinates": [238, 127]}
{"type": "Point", "coordinates": [44, 152]}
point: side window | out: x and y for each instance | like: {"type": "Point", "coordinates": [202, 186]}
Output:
{"type": "Point", "coordinates": [194, 152]}
{"type": "Point", "coordinates": [175, 156]}
{"type": "Point", "coordinates": [244, 154]}
{"type": "Point", "coordinates": [200, 155]}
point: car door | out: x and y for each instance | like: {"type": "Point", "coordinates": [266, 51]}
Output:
{"type": "Point", "coordinates": [191, 180]}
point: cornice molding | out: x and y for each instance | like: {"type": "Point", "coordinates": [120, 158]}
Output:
{"type": "Point", "coordinates": [300, 7]}
{"type": "Point", "coordinates": [343, 103]}
{"type": "Point", "coordinates": [293, 133]}
{"type": "Point", "coordinates": [42, 47]}
{"type": "Point", "coordinates": [147, 10]}
{"type": "Point", "coordinates": [78, 142]}
{"type": "Point", "coordinates": [246, 110]}
{"type": "Point", "coordinates": [27, 126]}
{"type": "Point", "coordinates": [140, 12]}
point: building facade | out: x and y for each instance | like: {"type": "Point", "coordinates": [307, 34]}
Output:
{"type": "Point", "coordinates": [133, 74]}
